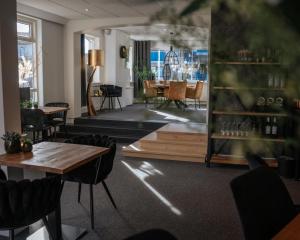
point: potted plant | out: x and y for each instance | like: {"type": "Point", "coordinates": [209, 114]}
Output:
{"type": "Point", "coordinates": [12, 142]}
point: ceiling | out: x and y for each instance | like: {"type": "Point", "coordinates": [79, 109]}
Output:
{"type": "Point", "coordinates": [85, 9]}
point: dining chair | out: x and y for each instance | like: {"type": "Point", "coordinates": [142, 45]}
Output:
{"type": "Point", "coordinates": [176, 93]}
{"type": "Point", "coordinates": [95, 171]}
{"type": "Point", "coordinates": [195, 92]}
{"type": "Point", "coordinates": [149, 90]}
{"type": "Point", "coordinates": [255, 160]}
{"type": "Point", "coordinates": [111, 91]}
{"type": "Point", "coordinates": [59, 118]}
{"type": "Point", "coordinates": [25, 202]}
{"type": "Point", "coordinates": [263, 203]}
{"type": "Point", "coordinates": [152, 234]}
{"type": "Point", "coordinates": [2, 175]}
{"type": "Point", "coordinates": [34, 120]}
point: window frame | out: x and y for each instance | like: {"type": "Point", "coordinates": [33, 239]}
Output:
{"type": "Point", "coordinates": [34, 91]}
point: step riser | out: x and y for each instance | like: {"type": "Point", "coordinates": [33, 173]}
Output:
{"type": "Point", "coordinates": [200, 159]}
{"type": "Point", "coordinates": [113, 123]}
{"type": "Point", "coordinates": [195, 149]}
{"type": "Point", "coordinates": [108, 131]}
{"type": "Point", "coordinates": [182, 137]}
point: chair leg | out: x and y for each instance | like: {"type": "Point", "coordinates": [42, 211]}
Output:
{"type": "Point", "coordinates": [195, 104]}
{"type": "Point", "coordinates": [46, 223]}
{"type": "Point", "coordinates": [92, 206]}
{"type": "Point", "coordinates": [102, 103]}
{"type": "Point", "coordinates": [199, 104]}
{"type": "Point", "coordinates": [109, 195]}
{"type": "Point", "coordinates": [119, 103]}
{"type": "Point", "coordinates": [79, 192]}
{"type": "Point", "coordinates": [11, 234]}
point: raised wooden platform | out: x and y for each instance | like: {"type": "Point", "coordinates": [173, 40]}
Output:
{"type": "Point", "coordinates": [174, 141]}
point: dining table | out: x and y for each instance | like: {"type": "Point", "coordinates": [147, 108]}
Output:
{"type": "Point", "coordinates": [291, 231]}
{"type": "Point", "coordinates": [48, 158]}
{"type": "Point", "coordinates": [52, 110]}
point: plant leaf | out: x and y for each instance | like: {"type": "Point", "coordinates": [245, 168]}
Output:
{"type": "Point", "coordinates": [192, 7]}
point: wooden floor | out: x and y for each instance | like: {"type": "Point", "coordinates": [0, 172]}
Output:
{"type": "Point", "coordinates": [174, 141]}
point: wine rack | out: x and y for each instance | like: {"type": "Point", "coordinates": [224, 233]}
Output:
{"type": "Point", "coordinates": [248, 100]}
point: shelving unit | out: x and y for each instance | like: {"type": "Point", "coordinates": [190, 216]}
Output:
{"type": "Point", "coordinates": [247, 95]}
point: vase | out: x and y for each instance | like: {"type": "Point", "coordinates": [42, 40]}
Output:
{"type": "Point", "coordinates": [12, 146]}
{"type": "Point", "coordinates": [27, 147]}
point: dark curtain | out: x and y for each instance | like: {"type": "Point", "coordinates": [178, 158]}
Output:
{"type": "Point", "coordinates": [141, 58]}
{"type": "Point", "coordinates": [83, 73]}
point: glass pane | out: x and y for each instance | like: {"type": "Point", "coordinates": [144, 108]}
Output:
{"type": "Point", "coordinates": [24, 29]}
{"type": "Point", "coordinates": [26, 59]}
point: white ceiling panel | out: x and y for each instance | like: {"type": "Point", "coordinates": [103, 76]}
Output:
{"type": "Point", "coordinates": [84, 9]}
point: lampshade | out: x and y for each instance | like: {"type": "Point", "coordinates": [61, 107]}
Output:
{"type": "Point", "coordinates": [96, 58]}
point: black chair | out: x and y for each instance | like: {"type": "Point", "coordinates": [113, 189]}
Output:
{"type": "Point", "coordinates": [60, 118]}
{"type": "Point", "coordinates": [2, 175]}
{"type": "Point", "coordinates": [33, 120]}
{"type": "Point", "coordinates": [95, 171]}
{"type": "Point", "coordinates": [263, 203]}
{"type": "Point", "coordinates": [25, 202]}
{"type": "Point", "coordinates": [153, 234]}
{"type": "Point", "coordinates": [255, 160]}
{"type": "Point", "coordinates": [110, 92]}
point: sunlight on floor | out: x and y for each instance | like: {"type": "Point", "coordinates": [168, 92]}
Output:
{"type": "Point", "coordinates": [170, 116]}
{"type": "Point", "coordinates": [146, 170]}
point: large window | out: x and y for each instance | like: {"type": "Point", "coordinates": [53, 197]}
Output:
{"type": "Point", "coordinates": [27, 55]}
{"type": "Point", "coordinates": [192, 64]}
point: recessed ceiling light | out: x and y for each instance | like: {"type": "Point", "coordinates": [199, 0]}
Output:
{"type": "Point", "coordinates": [86, 9]}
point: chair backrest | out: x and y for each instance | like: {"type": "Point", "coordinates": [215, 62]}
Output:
{"type": "Point", "coordinates": [32, 117]}
{"type": "Point", "coordinates": [63, 114]}
{"type": "Point", "coordinates": [2, 175]}
{"type": "Point", "coordinates": [263, 202]}
{"type": "Point", "coordinates": [177, 90]}
{"type": "Point", "coordinates": [150, 91]}
{"type": "Point", "coordinates": [97, 172]}
{"type": "Point", "coordinates": [254, 160]}
{"type": "Point", "coordinates": [25, 202]}
{"type": "Point", "coordinates": [198, 89]}
{"type": "Point", "coordinates": [111, 90]}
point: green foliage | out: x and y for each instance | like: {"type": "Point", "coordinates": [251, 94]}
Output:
{"type": "Point", "coordinates": [11, 136]}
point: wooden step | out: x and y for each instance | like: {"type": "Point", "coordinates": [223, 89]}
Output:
{"type": "Point", "coordinates": [151, 142]}
{"type": "Point", "coordinates": [183, 132]}
{"type": "Point", "coordinates": [135, 150]}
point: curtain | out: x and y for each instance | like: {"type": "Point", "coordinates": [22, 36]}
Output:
{"type": "Point", "coordinates": [83, 73]}
{"type": "Point", "coordinates": [142, 50]}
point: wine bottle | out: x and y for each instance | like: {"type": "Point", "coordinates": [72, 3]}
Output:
{"type": "Point", "coordinates": [274, 127]}
{"type": "Point", "coordinates": [268, 127]}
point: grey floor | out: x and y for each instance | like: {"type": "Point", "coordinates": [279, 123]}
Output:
{"type": "Point", "coordinates": [187, 199]}
{"type": "Point", "coordinates": [139, 112]}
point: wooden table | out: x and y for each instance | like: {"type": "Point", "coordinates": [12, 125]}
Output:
{"type": "Point", "coordinates": [53, 158]}
{"type": "Point", "coordinates": [52, 110]}
{"type": "Point", "coordinates": [290, 231]}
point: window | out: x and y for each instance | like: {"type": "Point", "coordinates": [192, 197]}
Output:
{"type": "Point", "coordinates": [193, 64]}
{"type": "Point", "coordinates": [27, 55]}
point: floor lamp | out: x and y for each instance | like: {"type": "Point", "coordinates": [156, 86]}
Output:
{"type": "Point", "coordinates": [95, 59]}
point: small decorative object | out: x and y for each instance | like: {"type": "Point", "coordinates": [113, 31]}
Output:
{"type": "Point", "coordinates": [12, 142]}
{"type": "Point", "coordinates": [123, 52]}
{"type": "Point", "coordinates": [36, 105]}
{"type": "Point", "coordinates": [26, 143]}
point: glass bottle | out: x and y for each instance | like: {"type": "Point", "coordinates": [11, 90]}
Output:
{"type": "Point", "coordinates": [274, 127]}
{"type": "Point", "coordinates": [268, 127]}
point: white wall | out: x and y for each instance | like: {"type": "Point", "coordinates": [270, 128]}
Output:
{"type": "Point", "coordinates": [115, 69]}
{"type": "Point", "coordinates": [53, 61]}
{"type": "Point", "coordinates": [71, 35]}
